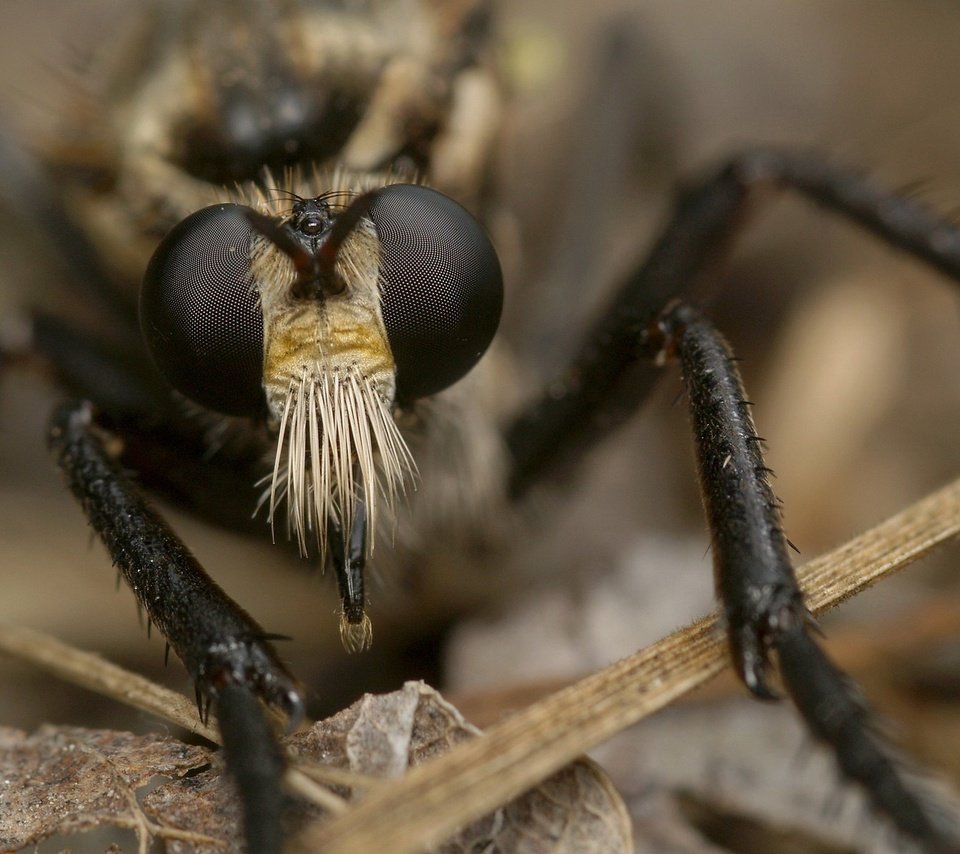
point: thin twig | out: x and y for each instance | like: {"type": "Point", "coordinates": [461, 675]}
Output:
{"type": "Point", "coordinates": [330, 775]}
{"type": "Point", "coordinates": [434, 799]}
{"type": "Point", "coordinates": [96, 674]}
{"type": "Point", "coordinates": [308, 789]}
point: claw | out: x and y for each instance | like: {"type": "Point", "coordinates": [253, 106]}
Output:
{"type": "Point", "coordinates": [754, 675]}
{"type": "Point", "coordinates": [754, 633]}
{"type": "Point", "coordinates": [751, 660]}
{"type": "Point", "coordinates": [295, 709]}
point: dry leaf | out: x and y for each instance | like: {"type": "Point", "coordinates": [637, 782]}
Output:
{"type": "Point", "coordinates": [575, 810]}
{"type": "Point", "coordinates": [67, 780]}
{"type": "Point", "coordinates": [206, 804]}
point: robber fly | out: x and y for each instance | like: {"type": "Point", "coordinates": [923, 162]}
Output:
{"type": "Point", "coordinates": [268, 168]}
{"type": "Point", "coordinates": [263, 171]}
{"type": "Point", "coordinates": [300, 115]}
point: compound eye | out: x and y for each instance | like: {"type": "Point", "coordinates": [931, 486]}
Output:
{"type": "Point", "coordinates": [200, 313]}
{"type": "Point", "coordinates": [441, 287]}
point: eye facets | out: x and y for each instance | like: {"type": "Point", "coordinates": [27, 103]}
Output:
{"type": "Point", "coordinates": [200, 314]}
{"type": "Point", "coordinates": [442, 289]}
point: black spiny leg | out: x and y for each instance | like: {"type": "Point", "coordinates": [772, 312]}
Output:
{"type": "Point", "coordinates": [756, 584]}
{"type": "Point", "coordinates": [256, 762]}
{"type": "Point", "coordinates": [604, 383]}
{"type": "Point", "coordinates": [224, 650]}
{"type": "Point", "coordinates": [611, 376]}
{"type": "Point", "coordinates": [810, 678]}
{"type": "Point", "coordinates": [754, 577]}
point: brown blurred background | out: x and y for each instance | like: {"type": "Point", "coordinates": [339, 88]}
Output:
{"type": "Point", "coordinates": [850, 352]}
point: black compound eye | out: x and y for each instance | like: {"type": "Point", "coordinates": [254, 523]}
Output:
{"type": "Point", "coordinates": [441, 287]}
{"type": "Point", "coordinates": [200, 314]}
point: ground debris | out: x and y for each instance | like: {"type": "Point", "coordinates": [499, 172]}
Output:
{"type": "Point", "coordinates": [64, 780]}
{"type": "Point", "coordinates": [575, 810]}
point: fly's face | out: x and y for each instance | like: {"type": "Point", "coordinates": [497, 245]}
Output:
{"type": "Point", "coordinates": [329, 376]}
{"type": "Point", "coordinates": [323, 319]}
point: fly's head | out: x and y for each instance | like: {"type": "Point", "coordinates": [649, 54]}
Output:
{"type": "Point", "coordinates": [323, 320]}
{"type": "Point", "coordinates": [197, 96]}
{"type": "Point", "coordinates": [323, 308]}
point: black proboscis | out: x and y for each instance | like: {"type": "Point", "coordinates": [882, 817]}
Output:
{"type": "Point", "coordinates": [349, 557]}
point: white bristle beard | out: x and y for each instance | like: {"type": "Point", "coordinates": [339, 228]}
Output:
{"type": "Point", "coordinates": [337, 440]}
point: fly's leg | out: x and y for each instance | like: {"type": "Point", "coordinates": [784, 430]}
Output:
{"type": "Point", "coordinates": [615, 370]}
{"type": "Point", "coordinates": [605, 383]}
{"type": "Point", "coordinates": [226, 653]}
{"type": "Point", "coordinates": [762, 603]}
{"type": "Point", "coordinates": [754, 577]}
{"type": "Point", "coordinates": [256, 762]}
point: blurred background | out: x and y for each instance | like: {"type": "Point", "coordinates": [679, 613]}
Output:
{"type": "Point", "coordinates": [850, 352]}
